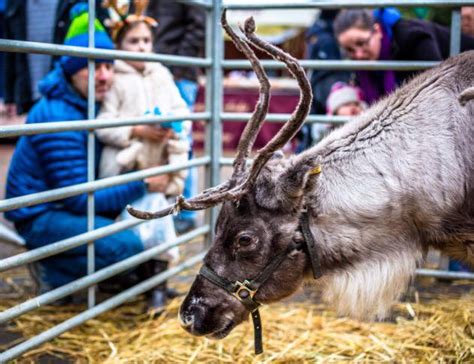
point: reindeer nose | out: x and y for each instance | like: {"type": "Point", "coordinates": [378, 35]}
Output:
{"type": "Point", "coordinates": [186, 320]}
{"type": "Point", "coordinates": [192, 319]}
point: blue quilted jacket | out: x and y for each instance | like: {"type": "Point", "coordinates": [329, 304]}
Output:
{"type": "Point", "coordinates": [47, 161]}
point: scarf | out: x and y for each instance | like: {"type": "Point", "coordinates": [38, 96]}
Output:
{"type": "Point", "coordinates": [377, 84]}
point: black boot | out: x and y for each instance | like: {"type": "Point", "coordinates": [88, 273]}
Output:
{"type": "Point", "coordinates": [157, 297]}
{"type": "Point", "coordinates": [173, 293]}
{"type": "Point", "coordinates": [120, 282]}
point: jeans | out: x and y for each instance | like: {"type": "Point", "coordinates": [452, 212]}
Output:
{"type": "Point", "coordinates": [56, 225]}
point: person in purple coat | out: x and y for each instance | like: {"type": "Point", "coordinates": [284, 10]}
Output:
{"type": "Point", "coordinates": [382, 34]}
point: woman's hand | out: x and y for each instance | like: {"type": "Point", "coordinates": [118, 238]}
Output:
{"type": "Point", "coordinates": [153, 133]}
{"type": "Point", "coordinates": [158, 183]}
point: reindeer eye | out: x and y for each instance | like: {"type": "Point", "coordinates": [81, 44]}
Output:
{"type": "Point", "coordinates": [245, 244]}
{"type": "Point", "coordinates": [245, 240]}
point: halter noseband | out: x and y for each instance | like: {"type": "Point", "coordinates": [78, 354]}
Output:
{"type": "Point", "coordinates": [246, 290]}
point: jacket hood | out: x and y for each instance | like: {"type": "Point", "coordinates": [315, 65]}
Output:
{"type": "Point", "coordinates": [387, 18]}
{"type": "Point", "coordinates": [55, 86]}
{"type": "Point", "coordinates": [123, 67]}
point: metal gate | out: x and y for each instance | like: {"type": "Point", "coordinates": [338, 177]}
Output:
{"type": "Point", "coordinates": [212, 159]}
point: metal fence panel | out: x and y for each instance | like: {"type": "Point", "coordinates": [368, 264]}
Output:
{"type": "Point", "coordinates": [97, 310]}
{"type": "Point", "coordinates": [97, 277]}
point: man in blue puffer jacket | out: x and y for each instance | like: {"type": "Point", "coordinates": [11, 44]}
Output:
{"type": "Point", "coordinates": [49, 161]}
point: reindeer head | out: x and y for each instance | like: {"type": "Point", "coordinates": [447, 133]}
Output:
{"type": "Point", "coordinates": [257, 236]}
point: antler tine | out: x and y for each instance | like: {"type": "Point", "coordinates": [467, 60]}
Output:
{"type": "Point", "coordinates": [202, 201]}
{"type": "Point", "coordinates": [180, 204]}
{"type": "Point", "coordinates": [197, 203]}
{"type": "Point", "coordinates": [298, 116]}
{"type": "Point", "coordinates": [261, 109]}
{"type": "Point", "coordinates": [145, 215]}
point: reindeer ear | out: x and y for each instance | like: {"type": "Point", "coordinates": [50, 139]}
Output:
{"type": "Point", "coordinates": [284, 190]}
{"type": "Point", "coordinates": [294, 180]}
{"type": "Point", "coordinates": [266, 191]}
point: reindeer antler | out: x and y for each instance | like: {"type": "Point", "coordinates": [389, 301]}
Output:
{"type": "Point", "coordinates": [261, 109]}
{"type": "Point", "coordinates": [228, 191]}
{"type": "Point", "coordinates": [220, 193]}
{"type": "Point", "coordinates": [298, 116]}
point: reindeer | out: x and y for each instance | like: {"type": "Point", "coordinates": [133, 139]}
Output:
{"type": "Point", "coordinates": [358, 211]}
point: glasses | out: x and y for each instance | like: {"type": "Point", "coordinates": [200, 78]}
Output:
{"type": "Point", "coordinates": [359, 44]}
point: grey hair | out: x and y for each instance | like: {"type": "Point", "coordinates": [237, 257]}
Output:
{"type": "Point", "coordinates": [353, 18]}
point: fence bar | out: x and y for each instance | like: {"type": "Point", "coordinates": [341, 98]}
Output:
{"type": "Point", "coordinates": [96, 277]}
{"type": "Point", "coordinates": [34, 255]}
{"type": "Point", "coordinates": [97, 310]}
{"type": "Point", "coordinates": [337, 65]}
{"type": "Point", "coordinates": [444, 274]}
{"type": "Point", "coordinates": [43, 128]}
{"type": "Point", "coordinates": [91, 151]}
{"type": "Point", "coordinates": [207, 4]}
{"type": "Point", "coordinates": [455, 41]}
{"type": "Point", "coordinates": [7, 45]}
{"type": "Point", "coordinates": [334, 4]}
{"type": "Point", "coordinates": [224, 162]}
{"type": "Point", "coordinates": [60, 193]}
{"type": "Point", "coordinates": [277, 118]}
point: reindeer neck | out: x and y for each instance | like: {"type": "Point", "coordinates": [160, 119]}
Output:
{"type": "Point", "coordinates": [370, 177]}
{"type": "Point", "coordinates": [406, 106]}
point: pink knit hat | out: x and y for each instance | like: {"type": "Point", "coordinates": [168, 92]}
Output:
{"type": "Point", "coordinates": [341, 94]}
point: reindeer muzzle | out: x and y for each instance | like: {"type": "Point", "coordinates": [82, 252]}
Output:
{"type": "Point", "coordinates": [245, 291]}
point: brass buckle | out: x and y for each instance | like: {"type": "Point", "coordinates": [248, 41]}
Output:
{"type": "Point", "coordinates": [243, 292]}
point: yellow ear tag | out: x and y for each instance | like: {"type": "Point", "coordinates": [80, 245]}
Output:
{"type": "Point", "coordinates": [315, 170]}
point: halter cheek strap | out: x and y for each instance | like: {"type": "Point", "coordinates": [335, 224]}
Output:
{"type": "Point", "coordinates": [310, 246]}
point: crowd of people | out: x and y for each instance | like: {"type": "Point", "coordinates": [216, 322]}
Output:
{"type": "Point", "coordinates": [51, 89]}
{"type": "Point", "coordinates": [122, 89]}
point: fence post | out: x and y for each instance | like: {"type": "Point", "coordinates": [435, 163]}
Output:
{"type": "Point", "coordinates": [214, 95]}
{"type": "Point", "coordinates": [91, 152]}
{"type": "Point", "coordinates": [455, 41]}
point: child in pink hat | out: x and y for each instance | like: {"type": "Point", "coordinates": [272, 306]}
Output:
{"type": "Point", "coordinates": [345, 100]}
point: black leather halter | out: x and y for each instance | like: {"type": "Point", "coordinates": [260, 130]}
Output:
{"type": "Point", "coordinates": [246, 290]}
